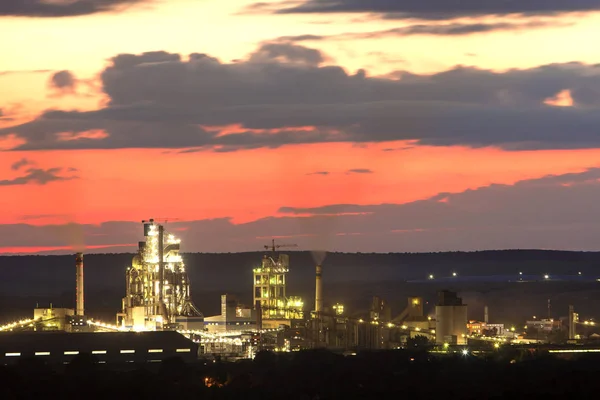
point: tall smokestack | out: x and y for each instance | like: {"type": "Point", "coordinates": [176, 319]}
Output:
{"type": "Point", "coordinates": [485, 315]}
{"type": "Point", "coordinates": [79, 283]}
{"type": "Point", "coordinates": [572, 322]}
{"type": "Point", "coordinates": [319, 291]}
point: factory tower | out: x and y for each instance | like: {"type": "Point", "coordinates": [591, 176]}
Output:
{"type": "Point", "coordinates": [157, 285]}
{"type": "Point", "coordinates": [270, 288]}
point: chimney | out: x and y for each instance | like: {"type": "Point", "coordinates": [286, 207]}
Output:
{"type": "Point", "coordinates": [79, 284]}
{"type": "Point", "coordinates": [485, 315]}
{"type": "Point", "coordinates": [319, 291]}
{"type": "Point", "coordinates": [572, 322]}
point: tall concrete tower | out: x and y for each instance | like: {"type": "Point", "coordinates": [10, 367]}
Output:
{"type": "Point", "coordinates": [451, 319]}
{"type": "Point", "coordinates": [319, 290]}
{"type": "Point", "coordinates": [79, 284]}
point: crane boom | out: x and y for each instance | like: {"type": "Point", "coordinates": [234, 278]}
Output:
{"type": "Point", "coordinates": [273, 247]}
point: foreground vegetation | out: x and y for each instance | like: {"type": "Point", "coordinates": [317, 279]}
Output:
{"type": "Point", "coordinates": [313, 375]}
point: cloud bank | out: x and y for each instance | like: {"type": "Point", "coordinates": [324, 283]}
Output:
{"type": "Point", "coordinates": [433, 9]}
{"type": "Point", "coordinates": [61, 8]}
{"type": "Point", "coordinates": [558, 212]}
{"type": "Point", "coordinates": [284, 95]}
{"type": "Point", "coordinates": [454, 29]}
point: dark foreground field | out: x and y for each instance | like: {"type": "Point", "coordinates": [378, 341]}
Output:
{"type": "Point", "coordinates": [315, 375]}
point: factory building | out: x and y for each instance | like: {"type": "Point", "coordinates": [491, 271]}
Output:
{"type": "Point", "coordinates": [157, 286]}
{"type": "Point", "coordinates": [451, 319]}
{"type": "Point", "coordinates": [485, 329]}
{"type": "Point", "coordinates": [53, 319]}
{"type": "Point", "coordinates": [544, 325]}
{"type": "Point", "coordinates": [110, 347]}
{"type": "Point", "coordinates": [413, 317]}
{"type": "Point", "coordinates": [234, 316]}
{"type": "Point", "coordinates": [273, 306]}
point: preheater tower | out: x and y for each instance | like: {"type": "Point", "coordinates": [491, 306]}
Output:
{"type": "Point", "coordinates": [79, 284]}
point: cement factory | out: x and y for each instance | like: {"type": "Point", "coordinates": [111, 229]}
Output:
{"type": "Point", "coordinates": [158, 317]}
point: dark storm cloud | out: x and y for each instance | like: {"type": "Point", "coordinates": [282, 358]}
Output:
{"type": "Point", "coordinates": [557, 212]}
{"type": "Point", "coordinates": [37, 176]}
{"type": "Point", "coordinates": [63, 81]}
{"type": "Point", "coordinates": [61, 8]}
{"type": "Point", "coordinates": [21, 163]}
{"type": "Point", "coordinates": [359, 171]}
{"type": "Point", "coordinates": [435, 9]}
{"type": "Point", "coordinates": [455, 29]}
{"type": "Point", "coordinates": [279, 96]}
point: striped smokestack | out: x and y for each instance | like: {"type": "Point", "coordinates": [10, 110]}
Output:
{"type": "Point", "coordinates": [79, 283]}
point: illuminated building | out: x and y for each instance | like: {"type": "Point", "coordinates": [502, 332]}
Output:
{"type": "Point", "coordinates": [270, 291]}
{"type": "Point", "coordinates": [157, 286]}
{"type": "Point", "coordinates": [234, 317]}
{"type": "Point", "coordinates": [53, 319]}
{"type": "Point", "coordinates": [485, 329]}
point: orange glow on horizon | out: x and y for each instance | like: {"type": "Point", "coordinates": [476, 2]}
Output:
{"type": "Point", "coordinates": [252, 184]}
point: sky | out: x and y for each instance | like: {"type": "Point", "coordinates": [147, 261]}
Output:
{"type": "Point", "coordinates": [338, 125]}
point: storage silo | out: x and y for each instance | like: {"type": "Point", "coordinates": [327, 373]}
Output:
{"type": "Point", "coordinates": [451, 319]}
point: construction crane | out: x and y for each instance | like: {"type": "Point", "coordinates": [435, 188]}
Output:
{"type": "Point", "coordinates": [273, 247]}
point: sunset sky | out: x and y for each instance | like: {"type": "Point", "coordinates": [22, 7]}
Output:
{"type": "Point", "coordinates": [342, 125]}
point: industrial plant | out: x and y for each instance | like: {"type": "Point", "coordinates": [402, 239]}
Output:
{"type": "Point", "coordinates": [157, 302]}
{"type": "Point", "coordinates": [158, 288]}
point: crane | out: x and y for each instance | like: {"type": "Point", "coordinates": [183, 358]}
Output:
{"type": "Point", "coordinates": [274, 246]}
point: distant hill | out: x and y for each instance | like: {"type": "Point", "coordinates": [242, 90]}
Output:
{"type": "Point", "coordinates": [27, 280]}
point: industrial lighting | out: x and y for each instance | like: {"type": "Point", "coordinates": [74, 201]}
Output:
{"type": "Point", "coordinates": [12, 354]}
{"type": "Point", "coordinates": [99, 352]}
{"type": "Point", "coordinates": [127, 351]}
{"type": "Point", "coordinates": [42, 353]}
{"type": "Point", "coordinates": [71, 353]}
{"type": "Point", "coordinates": [546, 276]}
{"type": "Point", "coordinates": [431, 276]}
{"type": "Point", "coordinates": [454, 274]}
{"type": "Point", "coordinates": [183, 350]}
{"type": "Point", "coordinates": [155, 351]}
{"type": "Point", "coordinates": [465, 352]}
{"type": "Point", "coordinates": [497, 345]}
